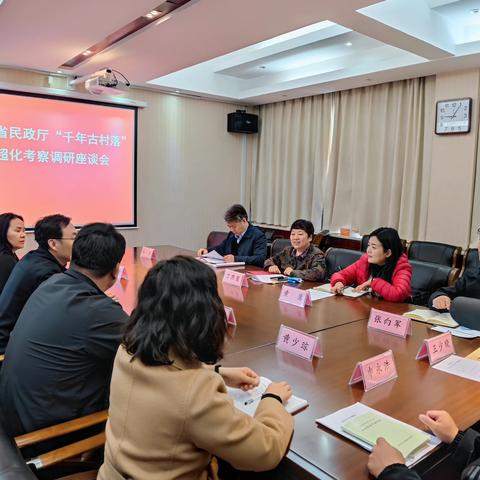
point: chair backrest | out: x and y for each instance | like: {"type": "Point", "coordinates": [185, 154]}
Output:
{"type": "Point", "coordinates": [429, 277]}
{"type": "Point", "coordinates": [337, 259]}
{"type": "Point", "coordinates": [279, 244]}
{"type": "Point", "coordinates": [433, 252]}
{"type": "Point", "coordinates": [12, 465]}
{"type": "Point", "coordinates": [215, 238]}
{"type": "Point", "coordinates": [470, 260]}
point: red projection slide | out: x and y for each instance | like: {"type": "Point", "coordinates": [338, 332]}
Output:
{"type": "Point", "coordinates": [69, 157]}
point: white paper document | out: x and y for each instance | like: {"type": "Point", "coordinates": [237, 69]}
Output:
{"type": "Point", "coordinates": [215, 259]}
{"type": "Point", "coordinates": [347, 292]}
{"type": "Point", "coordinates": [248, 401]}
{"type": "Point", "coordinates": [270, 279]}
{"type": "Point", "coordinates": [462, 332]}
{"type": "Point", "coordinates": [335, 421]}
{"type": "Point", "coordinates": [462, 367]}
{"type": "Point", "coordinates": [318, 294]}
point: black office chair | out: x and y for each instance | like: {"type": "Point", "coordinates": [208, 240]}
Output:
{"type": "Point", "coordinates": [428, 278]}
{"type": "Point", "coordinates": [433, 252]}
{"type": "Point", "coordinates": [470, 260]}
{"type": "Point", "coordinates": [12, 465]}
{"type": "Point", "coordinates": [337, 259]}
{"type": "Point", "coordinates": [278, 245]}
{"type": "Point", "coordinates": [215, 238]}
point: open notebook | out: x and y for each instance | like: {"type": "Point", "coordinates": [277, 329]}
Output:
{"type": "Point", "coordinates": [430, 316]}
{"type": "Point", "coordinates": [248, 401]}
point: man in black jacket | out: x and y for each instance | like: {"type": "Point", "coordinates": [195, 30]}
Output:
{"type": "Point", "coordinates": [387, 463]}
{"type": "Point", "coordinates": [59, 360]}
{"type": "Point", "coordinates": [54, 235]}
{"type": "Point", "coordinates": [244, 242]}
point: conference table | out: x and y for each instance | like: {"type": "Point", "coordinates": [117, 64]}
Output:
{"type": "Point", "coordinates": [340, 323]}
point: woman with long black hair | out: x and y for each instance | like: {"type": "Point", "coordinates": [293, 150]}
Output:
{"type": "Point", "coordinates": [12, 238]}
{"type": "Point", "coordinates": [384, 268]}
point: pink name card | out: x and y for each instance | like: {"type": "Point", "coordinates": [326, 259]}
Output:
{"type": "Point", "coordinates": [436, 348]}
{"type": "Point", "coordinates": [390, 323]}
{"type": "Point", "coordinates": [122, 273]}
{"type": "Point", "coordinates": [295, 296]}
{"type": "Point", "coordinates": [301, 344]}
{"type": "Point", "coordinates": [375, 371]}
{"type": "Point", "coordinates": [231, 320]}
{"type": "Point", "coordinates": [237, 279]}
{"type": "Point", "coordinates": [149, 253]}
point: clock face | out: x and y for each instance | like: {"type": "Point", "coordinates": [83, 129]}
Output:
{"type": "Point", "coordinates": [453, 116]}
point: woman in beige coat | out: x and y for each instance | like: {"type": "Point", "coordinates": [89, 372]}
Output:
{"type": "Point", "coordinates": [169, 409]}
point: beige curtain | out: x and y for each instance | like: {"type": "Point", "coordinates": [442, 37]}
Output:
{"type": "Point", "coordinates": [359, 157]}
{"type": "Point", "coordinates": [289, 161]}
{"type": "Point", "coordinates": [378, 169]}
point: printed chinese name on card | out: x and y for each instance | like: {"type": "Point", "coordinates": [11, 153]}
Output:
{"type": "Point", "coordinates": [375, 371]}
{"type": "Point", "coordinates": [298, 343]}
{"type": "Point", "coordinates": [237, 279]}
{"type": "Point", "coordinates": [295, 296]}
{"type": "Point", "coordinates": [390, 323]}
{"type": "Point", "coordinates": [436, 348]}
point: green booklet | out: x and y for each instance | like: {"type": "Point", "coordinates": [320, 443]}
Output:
{"type": "Point", "coordinates": [370, 426]}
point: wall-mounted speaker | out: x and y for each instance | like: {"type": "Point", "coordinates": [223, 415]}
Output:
{"type": "Point", "coordinates": [242, 122]}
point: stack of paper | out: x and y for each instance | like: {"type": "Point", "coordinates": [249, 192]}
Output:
{"type": "Point", "coordinates": [214, 259]}
{"type": "Point", "coordinates": [363, 425]}
{"type": "Point", "coordinates": [462, 367]}
{"type": "Point", "coordinates": [462, 332]}
{"type": "Point", "coordinates": [430, 316]}
{"type": "Point", "coordinates": [248, 401]}
{"type": "Point", "coordinates": [318, 294]}
{"type": "Point", "coordinates": [269, 278]}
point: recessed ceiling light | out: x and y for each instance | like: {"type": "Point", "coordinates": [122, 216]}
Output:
{"type": "Point", "coordinates": [58, 71]}
{"type": "Point", "coordinates": [1, 1]}
{"type": "Point", "coordinates": [348, 44]}
{"type": "Point", "coordinates": [475, 11]}
{"type": "Point", "coordinates": [149, 15]}
{"type": "Point", "coordinates": [87, 52]}
{"type": "Point", "coordinates": [177, 91]}
{"type": "Point", "coordinates": [263, 67]}
{"type": "Point", "coordinates": [155, 12]}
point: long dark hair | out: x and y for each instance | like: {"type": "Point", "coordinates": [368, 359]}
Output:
{"type": "Point", "coordinates": [390, 240]}
{"type": "Point", "coordinates": [5, 219]}
{"type": "Point", "coordinates": [179, 312]}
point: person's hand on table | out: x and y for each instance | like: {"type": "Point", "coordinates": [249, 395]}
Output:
{"type": "Point", "coordinates": [441, 424]}
{"type": "Point", "coordinates": [282, 389]}
{"type": "Point", "coordinates": [288, 271]}
{"type": "Point", "coordinates": [229, 258]}
{"type": "Point", "coordinates": [363, 286]}
{"type": "Point", "coordinates": [383, 455]}
{"type": "Point", "coordinates": [239, 377]}
{"type": "Point", "coordinates": [274, 269]}
{"type": "Point", "coordinates": [201, 251]}
{"type": "Point", "coordinates": [337, 289]}
{"type": "Point", "coordinates": [442, 302]}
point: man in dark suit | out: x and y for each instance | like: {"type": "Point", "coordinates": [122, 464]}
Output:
{"type": "Point", "coordinates": [54, 235]}
{"type": "Point", "coordinates": [59, 359]}
{"type": "Point", "coordinates": [244, 242]}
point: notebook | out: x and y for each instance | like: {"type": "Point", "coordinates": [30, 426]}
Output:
{"type": "Point", "coordinates": [370, 426]}
{"type": "Point", "coordinates": [248, 401]}
{"type": "Point", "coordinates": [430, 316]}
{"type": "Point", "coordinates": [214, 259]}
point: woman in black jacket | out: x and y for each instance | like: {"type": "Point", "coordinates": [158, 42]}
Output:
{"type": "Point", "coordinates": [12, 238]}
{"type": "Point", "coordinates": [387, 463]}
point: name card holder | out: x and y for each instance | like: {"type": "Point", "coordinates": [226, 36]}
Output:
{"type": "Point", "coordinates": [231, 277]}
{"type": "Point", "coordinates": [149, 253]}
{"type": "Point", "coordinates": [375, 371]}
{"type": "Point", "coordinates": [122, 273]}
{"type": "Point", "coordinates": [390, 323]}
{"type": "Point", "coordinates": [436, 348]}
{"type": "Point", "coordinates": [298, 343]}
{"type": "Point", "coordinates": [295, 296]}
{"type": "Point", "coordinates": [231, 320]}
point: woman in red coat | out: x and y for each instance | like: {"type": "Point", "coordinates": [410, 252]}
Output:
{"type": "Point", "coordinates": [384, 268]}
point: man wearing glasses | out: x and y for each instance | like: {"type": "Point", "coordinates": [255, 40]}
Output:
{"type": "Point", "coordinates": [54, 235]}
